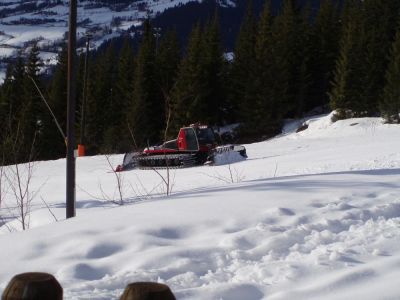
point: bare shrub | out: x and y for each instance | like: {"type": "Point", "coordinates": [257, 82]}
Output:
{"type": "Point", "coordinates": [19, 179]}
{"type": "Point", "coordinates": [118, 195]}
{"type": "Point", "coordinates": [166, 182]}
{"type": "Point", "coordinates": [232, 175]}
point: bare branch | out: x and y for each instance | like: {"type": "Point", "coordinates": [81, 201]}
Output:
{"type": "Point", "coordinates": [276, 169]}
{"type": "Point", "coordinates": [166, 179]}
{"type": "Point", "coordinates": [119, 179]}
{"type": "Point", "coordinates": [19, 180]}
{"type": "Point", "coordinates": [132, 135]}
{"type": "Point", "coordinates": [48, 207]}
{"type": "Point", "coordinates": [50, 110]}
{"type": "Point", "coordinates": [234, 176]}
{"type": "Point", "coordinates": [10, 229]}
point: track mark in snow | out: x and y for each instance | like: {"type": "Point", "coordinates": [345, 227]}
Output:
{"type": "Point", "coordinates": [168, 233]}
{"type": "Point", "coordinates": [39, 250]}
{"type": "Point", "coordinates": [269, 220]}
{"type": "Point", "coordinates": [270, 215]}
{"type": "Point", "coordinates": [353, 277]}
{"type": "Point", "coordinates": [302, 220]}
{"type": "Point", "coordinates": [239, 242]}
{"type": "Point", "coordinates": [278, 228]}
{"type": "Point", "coordinates": [87, 272]}
{"type": "Point", "coordinates": [81, 271]}
{"type": "Point", "coordinates": [317, 205]}
{"type": "Point", "coordinates": [337, 256]}
{"type": "Point", "coordinates": [103, 250]}
{"type": "Point", "coordinates": [240, 292]}
{"type": "Point", "coordinates": [285, 212]}
{"type": "Point", "coordinates": [344, 206]}
{"type": "Point", "coordinates": [371, 195]}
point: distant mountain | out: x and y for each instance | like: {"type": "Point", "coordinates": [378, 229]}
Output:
{"type": "Point", "coordinates": [46, 21]}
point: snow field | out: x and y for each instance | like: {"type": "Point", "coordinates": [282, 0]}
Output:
{"type": "Point", "coordinates": [309, 215]}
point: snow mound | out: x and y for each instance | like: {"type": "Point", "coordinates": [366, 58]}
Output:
{"type": "Point", "coordinates": [228, 157]}
{"type": "Point", "coordinates": [308, 215]}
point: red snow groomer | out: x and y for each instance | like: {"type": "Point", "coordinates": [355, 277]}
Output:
{"type": "Point", "coordinates": [195, 145]}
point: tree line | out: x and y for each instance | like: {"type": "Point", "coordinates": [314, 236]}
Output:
{"type": "Point", "coordinates": [344, 57]}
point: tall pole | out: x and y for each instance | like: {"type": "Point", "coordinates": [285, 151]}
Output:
{"type": "Point", "coordinates": [71, 93]}
{"type": "Point", "coordinates": [84, 96]}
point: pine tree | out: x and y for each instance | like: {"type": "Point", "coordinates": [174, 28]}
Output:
{"type": "Point", "coordinates": [147, 112]}
{"type": "Point", "coordinates": [58, 104]}
{"type": "Point", "coordinates": [34, 114]}
{"type": "Point", "coordinates": [124, 93]}
{"type": "Point", "coordinates": [13, 100]}
{"type": "Point", "coordinates": [266, 112]}
{"type": "Point", "coordinates": [101, 103]}
{"type": "Point", "coordinates": [24, 115]}
{"type": "Point", "coordinates": [241, 74]}
{"type": "Point", "coordinates": [11, 91]}
{"type": "Point", "coordinates": [168, 58]}
{"type": "Point", "coordinates": [115, 105]}
{"type": "Point", "coordinates": [5, 107]}
{"type": "Point", "coordinates": [291, 41]}
{"type": "Point", "coordinates": [214, 77]}
{"type": "Point", "coordinates": [324, 52]}
{"type": "Point", "coordinates": [390, 101]}
{"type": "Point", "coordinates": [347, 84]}
{"type": "Point", "coordinates": [188, 93]}
{"type": "Point", "coordinates": [167, 61]}
{"type": "Point", "coordinates": [379, 26]}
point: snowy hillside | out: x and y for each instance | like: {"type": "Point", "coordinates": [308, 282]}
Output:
{"type": "Point", "coordinates": [309, 215]}
{"type": "Point", "coordinates": [22, 22]}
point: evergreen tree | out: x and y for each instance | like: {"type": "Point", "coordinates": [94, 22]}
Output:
{"type": "Point", "coordinates": [12, 96]}
{"type": "Point", "coordinates": [115, 105]}
{"type": "Point", "coordinates": [147, 112]}
{"type": "Point", "coordinates": [22, 109]}
{"type": "Point", "coordinates": [58, 103]}
{"type": "Point", "coordinates": [213, 77]}
{"type": "Point", "coordinates": [124, 93]}
{"type": "Point", "coordinates": [5, 106]}
{"type": "Point", "coordinates": [167, 60]}
{"type": "Point", "coordinates": [242, 70]}
{"type": "Point", "coordinates": [34, 116]}
{"type": "Point", "coordinates": [291, 42]}
{"type": "Point", "coordinates": [188, 93]}
{"type": "Point", "coordinates": [13, 100]}
{"type": "Point", "coordinates": [347, 84]}
{"type": "Point", "coordinates": [324, 52]}
{"type": "Point", "coordinates": [390, 101]}
{"type": "Point", "coordinates": [101, 103]}
{"type": "Point", "coordinates": [198, 95]}
{"type": "Point", "coordinates": [82, 91]}
{"type": "Point", "coordinates": [265, 113]}
{"type": "Point", "coordinates": [379, 23]}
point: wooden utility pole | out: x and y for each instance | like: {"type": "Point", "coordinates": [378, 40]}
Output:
{"type": "Point", "coordinates": [82, 144]}
{"type": "Point", "coordinates": [71, 93]}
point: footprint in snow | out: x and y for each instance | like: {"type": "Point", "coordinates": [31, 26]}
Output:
{"type": "Point", "coordinates": [87, 272]}
{"type": "Point", "coordinates": [168, 233]}
{"type": "Point", "coordinates": [103, 250]}
{"type": "Point", "coordinates": [285, 211]}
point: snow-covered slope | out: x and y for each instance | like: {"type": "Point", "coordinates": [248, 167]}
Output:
{"type": "Point", "coordinates": [309, 215]}
{"type": "Point", "coordinates": [22, 22]}
{"type": "Point", "coordinates": [48, 21]}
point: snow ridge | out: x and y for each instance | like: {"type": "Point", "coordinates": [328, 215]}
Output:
{"type": "Point", "coordinates": [313, 214]}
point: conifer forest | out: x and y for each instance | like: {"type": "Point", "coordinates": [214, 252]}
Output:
{"type": "Point", "coordinates": [343, 57]}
